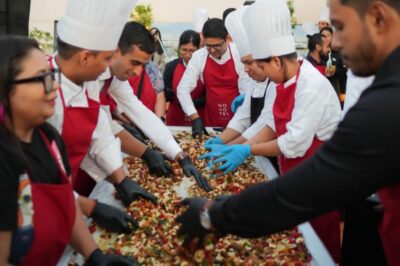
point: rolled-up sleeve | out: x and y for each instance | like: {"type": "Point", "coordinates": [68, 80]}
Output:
{"type": "Point", "coordinates": [145, 119]}
{"type": "Point", "coordinates": [104, 155]}
{"type": "Point", "coordinates": [242, 118]}
{"type": "Point", "coordinates": [189, 81]}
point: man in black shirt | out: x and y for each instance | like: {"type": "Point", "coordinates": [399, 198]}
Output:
{"type": "Point", "coordinates": [360, 159]}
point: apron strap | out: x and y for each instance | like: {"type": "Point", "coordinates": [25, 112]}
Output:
{"type": "Point", "coordinates": [55, 153]}
{"type": "Point", "coordinates": [140, 87]}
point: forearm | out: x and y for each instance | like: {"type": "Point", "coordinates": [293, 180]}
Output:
{"type": "Point", "coordinates": [264, 135]}
{"type": "Point", "coordinates": [131, 145]}
{"type": "Point", "coordinates": [228, 135]}
{"type": "Point", "coordinates": [238, 140]}
{"type": "Point", "coordinates": [160, 108]}
{"type": "Point", "coordinates": [5, 243]}
{"type": "Point", "coordinates": [86, 205]}
{"type": "Point", "coordinates": [117, 176]}
{"type": "Point", "coordinates": [269, 148]}
{"type": "Point", "coordinates": [81, 239]}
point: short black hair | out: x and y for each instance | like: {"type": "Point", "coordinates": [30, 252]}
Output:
{"type": "Point", "coordinates": [66, 50]}
{"type": "Point", "coordinates": [313, 41]}
{"type": "Point", "coordinates": [135, 33]}
{"type": "Point", "coordinates": [248, 2]}
{"type": "Point", "coordinates": [362, 5]}
{"type": "Point", "coordinates": [326, 28]}
{"type": "Point", "coordinates": [189, 36]}
{"type": "Point", "coordinates": [291, 56]}
{"type": "Point", "coordinates": [227, 12]}
{"type": "Point", "coordinates": [214, 28]}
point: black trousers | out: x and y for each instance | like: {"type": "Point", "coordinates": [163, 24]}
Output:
{"type": "Point", "coordinates": [362, 245]}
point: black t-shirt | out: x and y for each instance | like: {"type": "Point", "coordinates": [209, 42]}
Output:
{"type": "Point", "coordinates": [38, 162]}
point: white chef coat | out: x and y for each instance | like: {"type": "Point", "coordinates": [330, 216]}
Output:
{"type": "Point", "coordinates": [195, 70]}
{"type": "Point", "coordinates": [145, 119]}
{"type": "Point", "coordinates": [241, 121]}
{"type": "Point", "coordinates": [316, 112]}
{"type": "Point", "coordinates": [104, 154]}
{"type": "Point", "coordinates": [355, 86]}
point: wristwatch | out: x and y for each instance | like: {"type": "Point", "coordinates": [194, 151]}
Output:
{"type": "Point", "coordinates": [205, 216]}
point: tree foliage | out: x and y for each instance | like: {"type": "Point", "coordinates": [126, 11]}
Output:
{"type": "Point", "coordinates": [143, 14]}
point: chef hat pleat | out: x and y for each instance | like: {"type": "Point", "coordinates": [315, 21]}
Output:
{"type": "Point", "coordinates": [269, 29]}
{"type": "Point", "coordinates": [235, 27]}
{"type": "Point", "coordinates": [94, 24]}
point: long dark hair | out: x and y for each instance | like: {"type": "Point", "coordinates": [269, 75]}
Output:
{"type": "Point", "coordinates": [14, 50]}
{"type": "Point", "coordinates": [159, 49]}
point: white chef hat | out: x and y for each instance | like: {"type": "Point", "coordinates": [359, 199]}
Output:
{"type": "Point", "coordinates": [94, 24]}
{"type": "Point", "coordinates": [269, 29]}
{"type": "Point", "coordinates": [235, 27]}
{"type": "Point", "coordinates": [200, 17]}
{"type": "Point", "coordinates": [325, 15]}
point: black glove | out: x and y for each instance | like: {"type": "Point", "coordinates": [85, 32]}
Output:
{"type": "Point", "coordinates": [191, 226]}
{"type": "Point", "coordinates": [169, 94]}
{"type": "Point", "coordinates": [129, 191]}
{"type": "Point", "coordinates": [97, 258]}
{"type": "Point", "coordinates": [156, 163]}
{"type": "Point", "coordinates": [198, 128]}
{"type": "Point", "coordinates": [136, 133]}
{"type": "Point", "coordinates": [113, 219]}
{"type": "Point", "coordinates": [190, 170]}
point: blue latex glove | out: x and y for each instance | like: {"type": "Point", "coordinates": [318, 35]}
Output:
{"type": "Point", "coordinates": [233, 156]}
{"type": "Point", "coordinates": [215, 151]}
{"type": "Point", "coordinates": [237, 102]}
{"type": "Point", "coordinates": [215, 140]}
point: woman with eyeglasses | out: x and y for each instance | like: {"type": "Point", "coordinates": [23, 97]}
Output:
{"type": "Point", "coordinates": [39, 215]}
{"type": "Point", "coordinates": [219, 67]}
{"type": "Point", "coordinates": [189, 42]}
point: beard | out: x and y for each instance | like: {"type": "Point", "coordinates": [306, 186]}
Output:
{"type": "Point", "coordinates": [361, 60]}
{"type": "Point", "coordinates": [324, 57]}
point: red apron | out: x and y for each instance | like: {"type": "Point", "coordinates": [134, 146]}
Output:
{"type": "Point", "coordinates": [147, 95]}
{"type": "Point", "coordinates": [78, 126]}
{"type": "Point", "coordinates": [221, 82]}
{"type": "Point", "coordinates": [53, 219]}
{"type": "Point", "coordinates": [327, 226]}
{"type": "Point", "coordinates": [105, 97]}
{"type": "Point", "coordinates": [321, 69]}
{"type": "Point", "coordinates": [175, 115]}
{"type": "Point", "coordinates": [390, 227]}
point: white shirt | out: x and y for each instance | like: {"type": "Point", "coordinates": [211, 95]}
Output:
{"type": "Point", "coordinates": [145, 119]}
{"type": "Point", "coordinates": [104, 153]}
{"type": "Point", "coordinates": [195, 70]}
{"type": "Point", "coordinates": [355, 86]}
{"type": "Point", "coordinates": [241, 121]}
{"type": "Point", "coordinates": [316, 112]}
{"type": "Point", "coordinates": [260, 123]}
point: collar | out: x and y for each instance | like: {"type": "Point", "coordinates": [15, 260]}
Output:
{"type": "Point", "coordinates": [106, 75]}
{"type": "Point", "coordinates": [313, 61]}
{"type": "Point", "coordinates": [390, 68]}
{"type": "Point", "coordinates": [224, 57]}
{"type": "Point", "coordinates": [70, 89]}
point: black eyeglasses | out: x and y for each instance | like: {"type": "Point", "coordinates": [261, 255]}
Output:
{"type": "Point", "coordinates": [216, 47]}
{"type": "Point", "coordinates": [47, 79]}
